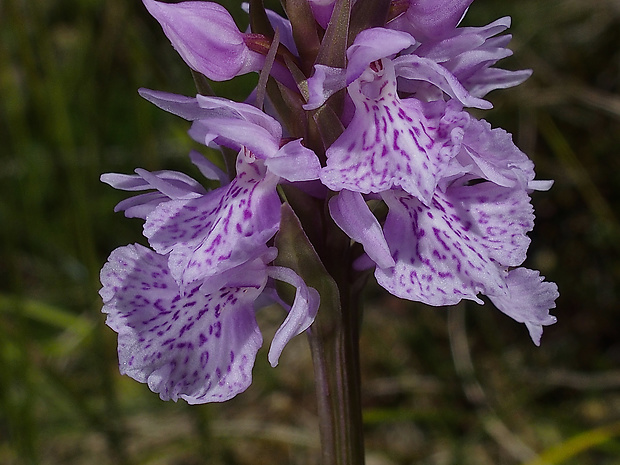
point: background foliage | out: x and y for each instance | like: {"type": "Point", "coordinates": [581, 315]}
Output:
{"type": "Point", "coordinates": [458, 386]}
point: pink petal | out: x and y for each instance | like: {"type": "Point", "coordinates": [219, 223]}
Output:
{"type": "Point", "coordinates": [206, 37]}
{"type": "Point", "coordinates": [352, 215]}
{"type": "Point", "coordinates": [220, 230]}
{"type": "Point", "coordinates": [439, 260]}
{"type": "Point", "coordinates": [392, 142]}
{"type": "Point", "coordinates": [198, 347]}
{"type": "Point", "coordinates": [300, 315]}
{"type": "Point", "coordinates": [528, 300]}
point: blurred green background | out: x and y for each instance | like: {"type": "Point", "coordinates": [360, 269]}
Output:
{"type": "Point", "coordinates": [441, 387]}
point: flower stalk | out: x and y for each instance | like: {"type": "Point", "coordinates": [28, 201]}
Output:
{"type": "Point", "coordinates": [334, 344]}
{"type": "Point", "coordinates": [335, 354]}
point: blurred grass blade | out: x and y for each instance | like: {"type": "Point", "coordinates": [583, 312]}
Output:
{"type": "Point", "coordinates": [576, 445]}
{"type": "Point", "coordinates": [598, 99]}
{"type": "Point", "coordinates": [580, 176]}
{"type": "Point", "coordinates": [45, 313]}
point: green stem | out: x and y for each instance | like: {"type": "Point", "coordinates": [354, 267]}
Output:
{"type": "Point", "coordinates": [325, 264]}
{"type": "Point", "coordinates": [334, 343]}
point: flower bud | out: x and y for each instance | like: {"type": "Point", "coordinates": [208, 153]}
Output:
{"type": "Point", "coordinates": [206, 37]}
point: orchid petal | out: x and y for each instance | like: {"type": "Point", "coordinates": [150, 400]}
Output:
{"type": "Point", "coordinates": [433, 19]}
{"type": "Point", "coordinates": [206, 37]}
{"type": "Point", "coordinates": [140, 206]}
{"type": "Point", "coordinates": [235, 134]}
{"type": "Point", "coordinates": [325, 82]}
{"type": "Point", "coordinates": [322, 11]}
{"type": "Point", "coordinates": [417, 68]}
{"type": "Point", "coordinates": [486, 80]}
{"type": "Point", "coordinates": [236, 125]}
{"type": "Point", "coordinates": [301, 314]}
{"type": "Point", "coordinates": [351, 213]}
{"type": "Point", "coordinates": [497, 220]}
{"type": "Point", "coordinates": [438, 260]}
{"type": "Point", "coordinates": [182, 183]}
{"type": "Point", "coordinates": [220, 230]}
{"type": "Point", "coordinates": [243, 111]}
{"type": "Point", "coordinates": [371, 45]}
{"type": "Point", "coordinates": [172, 183]}
{"type": "Point", "coordinates": [179, 105]}
{"type": "Point", "coordinates": [217, 112]}
{"type": "Point", "coordinates": [540, 185]}
{"type": "Point", "coordinates": [294, 162]}
{"type": "Point", "coordinates": [165, 187]}
{"type": "Point", "coordinates": [495, 156]}
{"type": "Point", "coordinates": [461, 40]}
{"type": "Point", "coordinates": [198, 347]}
{"type": "Point", "coordinates": [471, 62]}
{"type": "Point", "coordinates": [392, 142]}
{"type": "Point", "coordinates": [208, 169]}
{"type": "Point", "coordinates": [528, 300]}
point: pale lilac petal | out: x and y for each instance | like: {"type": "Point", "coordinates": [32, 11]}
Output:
{"type": "Point", "coordinates": [325, 82]}
{"type": "Point", "coordinates": [322, 11]}
{"type": "Point", "coordinates": [430, 18]}
{"type": "Point", "coordinates": [269, 297]}
{"type": "Point", "coordinates": [371, 45]}
{"type": "Point", "coordinates": [294, 162]}
{"type": "Point", "coordinates": [486, 80]}
{"type": "Point", "coordinates": [539, 185]}
{"type": "Point", "coordinates": [468, 64]}
{"type": "Point", "coordinates": [277, 23]}
{"type": "Point", "coordinates": [470, 52]}
{"type": "Point", "coordinates": [180, 182]}
{"type": "Point", "coordinates": [314, 188]}
{"type": "Point", "coordinates": [236, 125]}
{"type": "Point", "coordinates": [283, 25]}
{"type": "Point", "coordinates": [168, 188]}
{"type": "Point", "coordinates": [495, 156]}
{"type": "Point", "coordinates": [243, 275]}
{"type": "Point", "coordinates": [239, 110]}
{"type": "Point", "coordinates": [300, 315]}
{"type": "Point", "coordinates": [446, 49]}
{"type": "Point", "coordinates": [216, 113]}
{"type": "Point", "coordinates": [222, 121]}
{"type": "Point", "coordinates": [198, 347]}
{"type": "Point", "coordinates": [351, 213]}
{"type": "Point", "coordinates": [220, 230]}
{"type": "Point", "coordinates": [180, 105]}
{"type": "Point", "coordinates": [412, 67]}
{"type": "Point", "coordinates": [462, 40]}
{"type": "Point", "coordinates": [392, 142]}
{"type": "Point", "coordinates": [208, 169]}
{"type": "Point", "coordinates": [140, 206]}
{"type": "Point", "coordinates": [173, 184]}
{"type": "Point", "coordinates": [528, 300]}
{"type": "Point", "coordinates": [125, 182]}
{"type": "Point", "coordinates": [206, 37]}
{"type": "Point", "coordinates": [497, 219]}
{"type": "Point", "coordinates": [438, 259]}
{"type": "Point", "coordinates": [235, 134]}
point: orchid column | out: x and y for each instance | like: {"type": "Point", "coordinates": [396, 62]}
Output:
{"type": "Point", "coordinates": [354, 155]}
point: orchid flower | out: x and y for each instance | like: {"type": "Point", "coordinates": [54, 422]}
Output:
{"type": "Point", "coordinates": [356, 153]}
{"type": "Point", "coordinates": [199, 344]}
